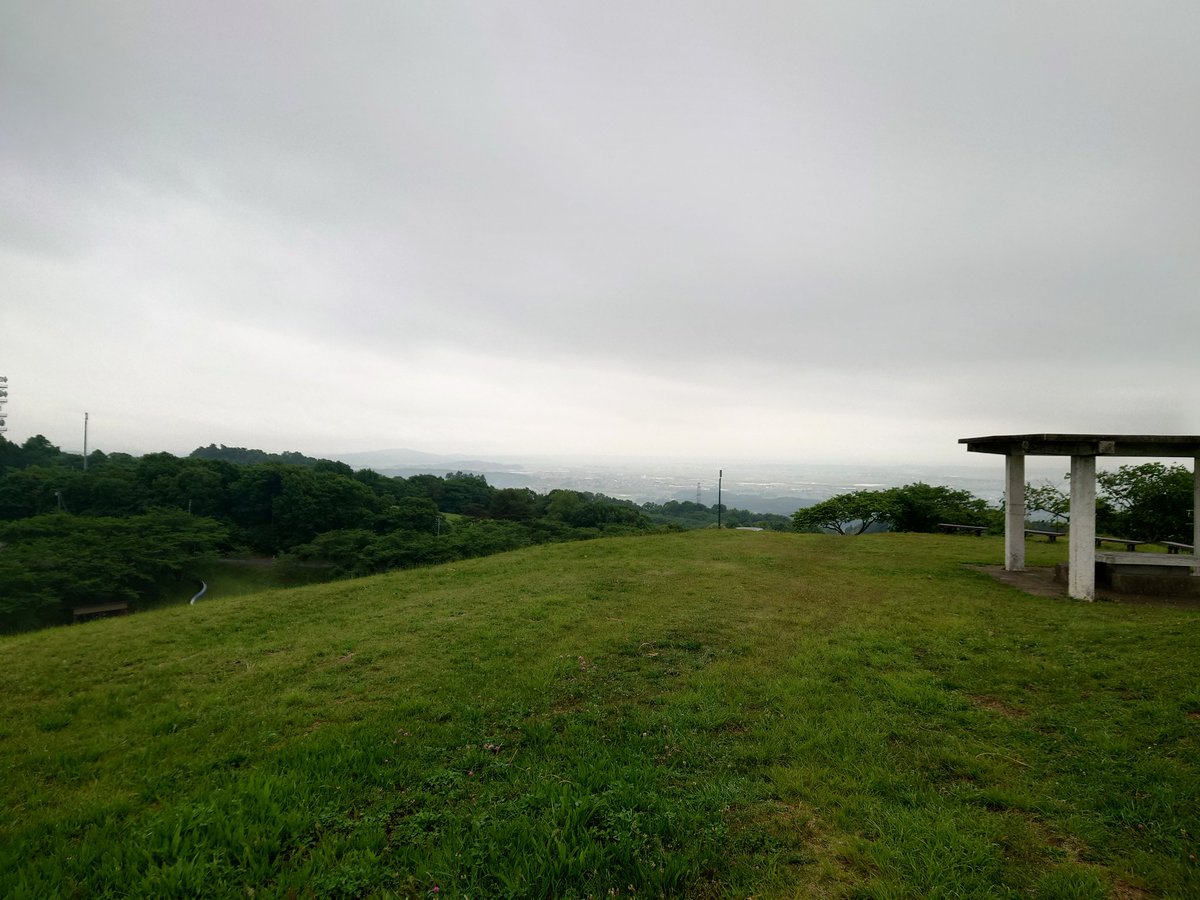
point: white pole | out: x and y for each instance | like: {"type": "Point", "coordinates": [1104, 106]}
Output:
{"type": "Point", "coordinates": [85, 418]}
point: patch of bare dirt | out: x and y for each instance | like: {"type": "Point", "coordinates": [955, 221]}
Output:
{"type": "Point", "coordinates": [1123, 890]}
{"type": "Point", "coordinates": [995, 704]}
{"type": "Point", "coordinates": [1039, 581]}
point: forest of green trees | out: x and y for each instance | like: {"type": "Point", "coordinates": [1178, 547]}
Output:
{"type": "Point", "coordinates": [116, 529]}
{"type": "Point", "coordinates": [1146, 502]}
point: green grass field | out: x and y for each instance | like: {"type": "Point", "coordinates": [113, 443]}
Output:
{"type": "Point", "coordinates": [706, 714]}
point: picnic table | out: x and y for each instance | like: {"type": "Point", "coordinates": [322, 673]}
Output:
{"type": "Point", "coordinates": [1147, 563]}
{"type": "Point", "coordinates": [1148, 573]}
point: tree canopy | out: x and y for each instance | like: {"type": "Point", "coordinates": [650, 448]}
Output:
{"type": "Point", "coordinates": [52, 562]}
{"type": "Point", "coordinates": [851, 513]}
{"type": "Point", "coordinates": [1049, 499]}
{"type": "Point", "coordinates": [1147, 502]}
{"type": "Point", "coordinates": [54, 552]}
{"type": "Point", "coordinates": [913, 507]}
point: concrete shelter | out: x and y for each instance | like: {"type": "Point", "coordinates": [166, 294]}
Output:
{"type": "Point", "coordinates": [1083, 450]}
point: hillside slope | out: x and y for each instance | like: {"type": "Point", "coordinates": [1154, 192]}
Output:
{"type": "Point", "coordinates": [700, 714]}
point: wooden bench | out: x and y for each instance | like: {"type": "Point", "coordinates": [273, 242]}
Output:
{"type": "Point", "coordinates": [100, 611]}
{"type": "Point", "coordinates": [1177, 547]}
{"type": "Point", "coordinates": [1129, 545]}
{"type": "Point", "coordinates": [1050, 536]}
{"type": "Point", "coordinates": [975, 529]}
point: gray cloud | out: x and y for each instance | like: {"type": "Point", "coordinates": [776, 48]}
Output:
{"type": "Point", "coordinates": [470, 226]}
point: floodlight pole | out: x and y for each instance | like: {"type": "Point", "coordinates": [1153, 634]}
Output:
{"type": "Point", "coordinates": [85, 423]}
{"type": "Point", "coordinates": [720, 475]}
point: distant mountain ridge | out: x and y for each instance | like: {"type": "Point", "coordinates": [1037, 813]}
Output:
{"type": "Point", "coordinates": [404, 457]}
{"type": "Point", "coordinates": [393, 456]}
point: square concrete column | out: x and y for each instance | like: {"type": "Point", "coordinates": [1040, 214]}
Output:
{"type": "Point", "coordinates": [1081, 583]}
{"type": "Point", "coordinates": [1014, 512]}
{"type": "Point", "coordinates": [1196, 510]}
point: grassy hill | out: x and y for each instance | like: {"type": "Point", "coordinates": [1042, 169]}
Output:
{"type": "Point", "coordinates": [707, 714]}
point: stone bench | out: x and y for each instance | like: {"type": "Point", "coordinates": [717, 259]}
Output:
{"type": "Point", "coordinates": [1176, 546]}
{"type": "Point", "coordinates": [1050, 536]}
{"type": "Point", "coordinates": [974, 529]}
{"type": "Point", "coordinates": [1129, 545]}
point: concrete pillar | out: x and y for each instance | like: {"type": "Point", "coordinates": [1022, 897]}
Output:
{"type": "Point", "coordinates": [1014, 511]}
{"type": "Point", "coordinates": [1196, 510]}
{"type": "Point", "coordinates": [1081, 583]}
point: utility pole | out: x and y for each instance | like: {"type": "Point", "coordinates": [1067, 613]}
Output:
{"type": "Point", "coordinates": [85, 423]}
{"type": "Point", "coordinates": [720, 475]}
{"type": "Point", "coordinates": [3, 400]}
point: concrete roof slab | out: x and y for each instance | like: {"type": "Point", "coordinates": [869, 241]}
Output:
{"type": "Point", "coordinates": [1154, 445]}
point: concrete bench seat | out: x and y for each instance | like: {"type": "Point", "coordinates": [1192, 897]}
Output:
{"type": "Point", "coordinates": [1129, 545]}
{"type": "Point", "coordinates": [974, 529]}
{"type": "Point", "coordinates": [1050, 536]}
{"type": "Point", "coordinates": [1177, 547]}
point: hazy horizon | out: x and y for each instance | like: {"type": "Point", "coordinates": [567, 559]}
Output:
{"type": "Point", "coordinates": [414, 455]}
{"type": "Point", "coordinates": [761, 485]}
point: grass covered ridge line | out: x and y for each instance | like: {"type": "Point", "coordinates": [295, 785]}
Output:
{"type": "Point", "coordinates": [707, 714]}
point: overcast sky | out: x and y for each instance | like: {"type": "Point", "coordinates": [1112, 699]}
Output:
{"type": "Point", "coordinates": [813, 231]}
